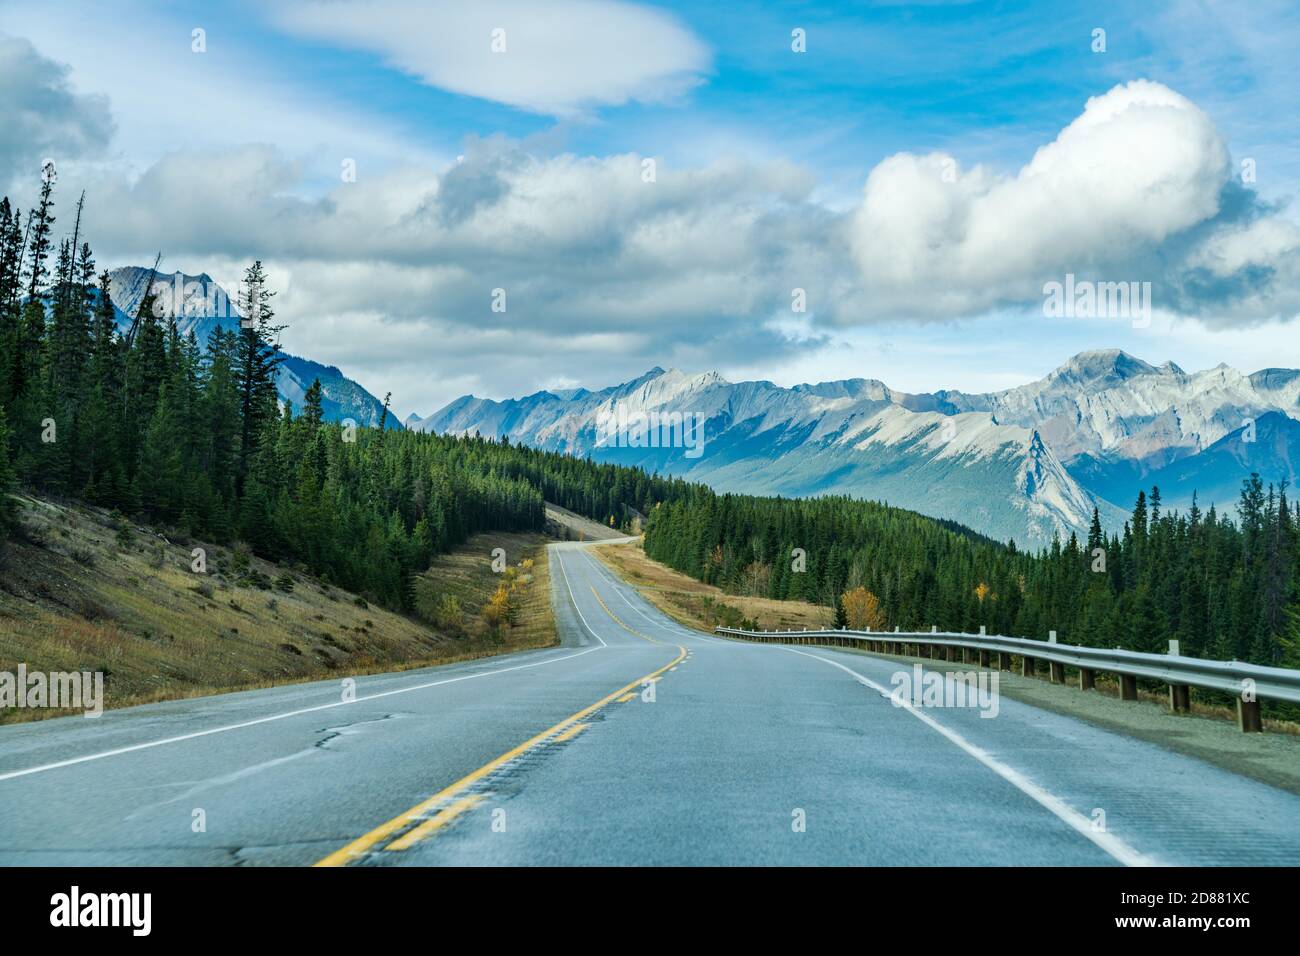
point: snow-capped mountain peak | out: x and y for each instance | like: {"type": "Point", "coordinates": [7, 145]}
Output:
{"type": "Point", "coordinates": [1100, 367]}
{"type": "Point", "coordinates": [1027, 462]}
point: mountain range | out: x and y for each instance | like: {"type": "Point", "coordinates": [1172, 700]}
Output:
{"type": "Point", "coordinates": [1026, 463]}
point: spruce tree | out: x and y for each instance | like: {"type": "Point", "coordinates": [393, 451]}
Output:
{"type": "Point", "coordinates": [257, 360]}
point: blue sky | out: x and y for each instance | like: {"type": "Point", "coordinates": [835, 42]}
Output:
{"type": "Point", "coordinates": [506, 171]}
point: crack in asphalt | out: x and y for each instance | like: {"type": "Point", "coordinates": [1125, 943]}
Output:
{"type": "Point", "coordinates": [342, 730]}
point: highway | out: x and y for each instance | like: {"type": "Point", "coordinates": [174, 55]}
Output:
{"type": "Point", "coordinates": [636, 742]}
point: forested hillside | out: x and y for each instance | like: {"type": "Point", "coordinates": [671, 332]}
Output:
{"type": "Point", "coordinates": [190, 435]}
{"type": "Point", "coordinates": [1224, 589]}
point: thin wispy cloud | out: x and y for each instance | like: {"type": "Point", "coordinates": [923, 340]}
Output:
{"type": "Point", "coordinates": [558, 58]}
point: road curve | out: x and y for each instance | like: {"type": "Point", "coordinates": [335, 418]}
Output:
{"type": "Point", "coordinates": [636, 742]}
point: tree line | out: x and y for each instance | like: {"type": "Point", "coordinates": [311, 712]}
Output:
{"type": "Point", "coordinates": [1224, 589]}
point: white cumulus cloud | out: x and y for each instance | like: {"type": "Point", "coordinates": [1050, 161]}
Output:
{"type": "Point", "coordinates": [1132, 189]}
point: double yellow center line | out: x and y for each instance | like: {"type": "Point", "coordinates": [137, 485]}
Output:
{"type": "Point", "coordinates": [619, 621]}
{"type": "Point", "coordinates": [409, 828]}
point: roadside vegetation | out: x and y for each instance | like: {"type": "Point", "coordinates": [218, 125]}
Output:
{"type": "Point", "coordinates": [704, 606]}
{"type": "Point", "coordinates": [83, 588]}
{"type": "Point", "coordinates": [1223, 589]}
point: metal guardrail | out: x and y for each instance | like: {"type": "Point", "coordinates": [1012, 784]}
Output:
{"type": "Point", "coordinates": [1248, 683]}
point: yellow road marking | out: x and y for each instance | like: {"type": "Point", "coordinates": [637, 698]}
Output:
{"type": "Point", "coordinates": [363, 844]}
{"type": "Point", "coordinates": [435, 822]}
{"type": "Point", "coordinates": [626, 697]}
{"type": "Point", "coordinates": [570, 733]}
{"type": "Point", "coordinates": [630, 630]}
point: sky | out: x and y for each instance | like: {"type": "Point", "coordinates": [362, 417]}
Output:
{"type": "Point", "coordinates": [497, 196]}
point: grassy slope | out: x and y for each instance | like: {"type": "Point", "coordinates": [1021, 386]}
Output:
{"type": "Point", "coordinates": [75, 597]}
{"type": "Point", "coordinates": [698, 605]}
{"type": "Point", "coordinates": [564, 524]}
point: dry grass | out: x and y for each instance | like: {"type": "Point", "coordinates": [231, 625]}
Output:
{"type": "Point", "coordinates": [703, 606]}
{"type": "Point", "coordinates": [466, 574]}
{"type": "Point", "coordinates": [79, 593]}
{"type": "Point", "coordinates": [567, 526]}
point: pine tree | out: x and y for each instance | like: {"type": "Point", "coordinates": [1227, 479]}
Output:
{"type": "Point", "coordinates": [40, 224]}
{"type": "Point", "coordinates": [256, 361]}
{"type": "Point", "coordinates": [11, 256]}
{"type": "Point", "coordinates": [312, 410]}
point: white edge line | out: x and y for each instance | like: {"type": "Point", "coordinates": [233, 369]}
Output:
{"type": "Point", "coordinates": [1108, 842]}
{"type": "Point", "coordinates": [574, 600]}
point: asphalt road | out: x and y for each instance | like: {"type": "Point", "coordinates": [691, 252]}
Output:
{"type": "Point", "coordinates": [637, 742]}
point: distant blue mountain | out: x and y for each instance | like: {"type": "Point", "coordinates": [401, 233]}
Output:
{"type": "Point", "coordinates": [1215, 475]}
{"type": "Point", "coordinates": [855, 437]}
{"type": "Point", "coordinates": [1028, 463]}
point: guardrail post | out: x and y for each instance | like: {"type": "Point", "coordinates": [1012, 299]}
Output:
{"type": "Point", "coordinates": [984, 658]}
{"type": "Point", "coordinates": [1057, 672]}
{"type": "Point", "coordinates": [1248, 718]}
{"type": "Point", "coordinates": [1128, 687]}
{"type": "Point", "coordinates": [1180, 698]}
{"type": "Point", "coordinates": [1028, 666]}
{"type": "Point", "coordinates": [1087, 678]}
